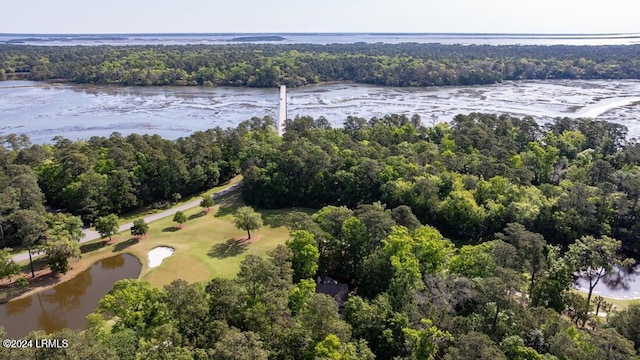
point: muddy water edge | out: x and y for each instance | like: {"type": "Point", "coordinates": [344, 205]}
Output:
{"type": "Point", "coordinates": [67, 304]}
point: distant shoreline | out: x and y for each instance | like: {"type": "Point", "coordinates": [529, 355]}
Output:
{"type": "Point", "coordinates": [319, 33]}
{"type": "Point", "coordinates": [258, 38]}
{"type": "Point", "coordinates": [320, 38]}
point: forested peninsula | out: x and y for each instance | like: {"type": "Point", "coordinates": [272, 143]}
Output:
{"type": "Point", "coordinates": [267, 65]}
{"type": "Point", "coordinates": [455, 240]}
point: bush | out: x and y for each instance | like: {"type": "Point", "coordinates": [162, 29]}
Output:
{"type": "Point", "coordinates": [21, 282]}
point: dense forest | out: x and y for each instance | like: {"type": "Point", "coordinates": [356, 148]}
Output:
{"type": "Point", "coordinates": [296, 65]}
{"type": "Point", "coordinates": [113, 175]}
{"type": "Point", "coordinates": [457, 241]}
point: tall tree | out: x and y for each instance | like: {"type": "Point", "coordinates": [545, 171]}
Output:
{"type": "Point", "coordinates": [595, 258]}
{"type": "Point", "coordinates": [378, 324]}
{"type": "Point", "coordinates": [31, 230]}
{"type": "Point", "coordinates": [107, 225]}
{"type": "Point", "coordinates": [305, 254]}
{"type": "Point", "coordinates": [627, 323]}
{"type": "Point", "coordinates": [405, 217]}
{"type": "Point", "coordinates": [425, 341]}
{"type": "Point", "coordinates": [321, 318]}
{"type": "Point", "coordinates": [58, 254]}
{"type": "Point", "coordinates": [64, 226]}
{"type": "Point", "coordinates": [500, 289]}
{"type": "Point", "coordinates": [188, 306]}
{"type": "Point", "coordinates": [136, 305]}
{"type": "Point", "coordinates": [8, 267]}
{"type": "Point", "coordinates": [332, 348]}
{"type": "Point", "coordinates": [247, 219]}
{"type": "Point", "coordinates": [238, 345]}
{"type": "Point", "coordinates": [474, 345]}
{"type": "Point", "coordinates": [530, 247]}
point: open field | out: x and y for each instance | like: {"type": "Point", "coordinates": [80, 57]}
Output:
{"type": "Point", "coordinates": [617, 303]}
{"type": "Point", "coordinates": [207, 246]}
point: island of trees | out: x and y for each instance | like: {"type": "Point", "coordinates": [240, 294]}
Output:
{"type": "Point", "coordinates": [456, 241]}
{"type": "Point", "coordinates": [270, 65]}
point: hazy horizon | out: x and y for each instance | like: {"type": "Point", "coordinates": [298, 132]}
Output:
{"type": "Point", "coordinates": [323, 32]}
{"type": "Point", "coordinates": [329, 16]}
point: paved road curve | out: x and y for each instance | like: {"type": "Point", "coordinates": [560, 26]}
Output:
{"type": "Point", "coordinates": [93, 235]}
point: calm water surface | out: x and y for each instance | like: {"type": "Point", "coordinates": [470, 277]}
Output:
{"type": "Point", "coordinates": [43, 111]}
{"type": "Point", "coordinates": [66, 305]}
{"type": "Point", "coordinates": [622, 285]}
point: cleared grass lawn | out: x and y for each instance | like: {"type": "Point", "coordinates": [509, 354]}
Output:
{"type": "Point", "coordinates": [617, 303]}
{"type": "Point", "coordinates": [207, 246]}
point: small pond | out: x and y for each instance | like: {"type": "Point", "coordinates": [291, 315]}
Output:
{"type": "Point", "coordinates": [623, 285]}
{"type": "Point", "coordinates": [67, 304]}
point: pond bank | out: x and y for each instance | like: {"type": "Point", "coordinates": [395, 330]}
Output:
{"type": "Point", "coordinates": [67, 304]}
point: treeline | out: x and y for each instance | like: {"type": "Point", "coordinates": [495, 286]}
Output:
{"type": "Point", "coordinates": [301, 64]}
{"type": "Point", "coordinates": [113, 175]}
{"type": "Point", "coordinates": [469, 179]}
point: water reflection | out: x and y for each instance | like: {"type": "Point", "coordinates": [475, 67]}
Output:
{"type": "Point", "coordinates": [18, 307]}
{"type": "Point", "coordinates": [623, 284]}
{"type": "Point", "coordinates": [48, 318]}
{"type": "Point", "coordinates": [67, 295]}
{"type": "Point", "coordinates": [112, 263]}
{"type": "Point", "coordinates": [67, 304]}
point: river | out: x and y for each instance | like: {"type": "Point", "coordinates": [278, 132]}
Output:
{"type": "Point", "coordinates": [43, 111]}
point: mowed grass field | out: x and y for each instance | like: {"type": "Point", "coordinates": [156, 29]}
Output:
{"type": "Point", "coordinates": [207, 246]}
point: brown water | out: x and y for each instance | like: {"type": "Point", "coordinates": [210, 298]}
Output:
{"type": "Point", "coordinates": [66, 305]}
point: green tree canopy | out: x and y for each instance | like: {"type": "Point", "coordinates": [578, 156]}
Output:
{"type": "Point", "coordinates": [305, 254]}
{"type": "Point", "coordinates": [207, 202]}
{"type": "Point", "coordinates": [139, 228]}
{"type": "Point", "coordinates": [136, 305]}
{"type": "Point", "coordinates": [58, 254]}
{"type": "Point", "coordinates": [247, 219]}
{"type": "Point", "coordinates": [8, 267]}
{"type": "Point", "coordinates": [180, 218]}
{"type": "Point", "coordinates": [594, 258]}
{"type": "Point", "coordinates": [107, 225]}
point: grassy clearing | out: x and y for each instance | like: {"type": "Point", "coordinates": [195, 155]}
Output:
{"type": "Point", "coordinates": [617, 303]}
{"type": "Point", "coordinates": [207, 246]}
{"type": "Point", "coordinates": [149, 210]}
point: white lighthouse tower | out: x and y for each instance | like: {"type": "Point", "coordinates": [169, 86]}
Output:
{"type": "Point", "coordinates": [282, 114]}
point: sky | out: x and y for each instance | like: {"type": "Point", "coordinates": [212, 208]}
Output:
{"type": "Point", "coordinates": [202, 16]}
